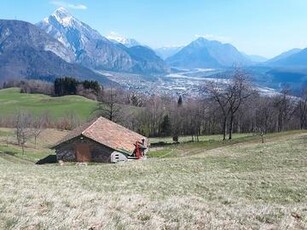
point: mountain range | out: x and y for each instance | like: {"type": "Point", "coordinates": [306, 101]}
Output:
{"type": "Point", "coordinates": [94, 51]}
{"type": "Point", "coordinates": [203, 53]}
{"type": "Point", "coordinates": [294, 58]}
{"type": "Point", "coordinates": [28, 52]}
{"type": "Point", "coordinates": [62, 45]}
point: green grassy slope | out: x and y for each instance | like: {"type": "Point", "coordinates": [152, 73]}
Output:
{"type": "Point", "coordinates": [247, 185]}
{"type": "Point", "coordinates": [208, 142]}
{"type": "Point", "coordinates": [12, 101]}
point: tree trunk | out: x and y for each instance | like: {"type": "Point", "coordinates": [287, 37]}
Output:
{"type": "Point", "coordinates": [230, 127]}
{"type": "Point", "coordinates": [224, 128]}
{"type": "Point", "coordinates": [23, 149]}
{"type": "Point", "coordinates": [280, 122]}
{"type": "Point", "coordinates": [303, 122]}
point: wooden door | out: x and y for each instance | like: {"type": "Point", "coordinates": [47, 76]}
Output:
{"type": "Point", "coordinates": [83, 153]}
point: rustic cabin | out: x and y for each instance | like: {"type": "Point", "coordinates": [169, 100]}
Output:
{"type": "Point", "coordinates": [101, 140]}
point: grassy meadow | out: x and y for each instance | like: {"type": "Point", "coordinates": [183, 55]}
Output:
{"type": "Point", "coordinates": [33, 153]}
{"type": "Point", "coordinates": [242, 184]}
{"type": "Point", "coordinates": [12, 101]}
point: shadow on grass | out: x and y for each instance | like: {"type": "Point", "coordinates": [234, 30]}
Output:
{"type": "Point", "coordinates": [50, 159]}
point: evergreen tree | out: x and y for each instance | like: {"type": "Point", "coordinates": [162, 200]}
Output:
{"type": "Point", "coordinates": [65, 86]}
{"type": "Point", "coordinates": [179, 103]}
{"type": "Point", "coordinates": [94, 85]}
{"type": "Point", "coordinates": [166, 127]}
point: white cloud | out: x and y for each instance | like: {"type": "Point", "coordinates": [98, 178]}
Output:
{"type": "Point", "coordinates": [214, 37]}
{"type": "Point", "coordinates": [69, 5]}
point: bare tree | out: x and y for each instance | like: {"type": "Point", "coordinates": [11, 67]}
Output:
{"type": "Point", "coordinates": [238, 91]}
{"type": "Point", "coordinates": [37, 128]}
{"type": "Point", "coordinates": [302, 108]}
{"type": "Point", "coordinates": [285, 107]}
{"type": "Point", "coordinates": [229, 97]}
{"type": "Point", "coordinates": [142, 118]}
{"type": "Point", "coordinates": [150, 117]}
{"type": "Point", "coordinates": [193, 115]}
{"type": "Point", "coordinates": [24, 122]}
{"type": "Point", "coordinates": [156, 109]}
{"type": "Point", "coordinates": [217, 94]}
{"type": "Point", "coordinates": [265, 115]}
{"type": "Point", "coordinates": [108, 105]}
{"type": "Point", "coordinates": [134, 98]}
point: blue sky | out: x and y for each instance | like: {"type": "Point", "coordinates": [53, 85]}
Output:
{"type": "Point", "coordinates": [263, 27]}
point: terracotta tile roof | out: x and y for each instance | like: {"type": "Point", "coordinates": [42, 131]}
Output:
{"type": "Point", "coordinates": [107, 133]}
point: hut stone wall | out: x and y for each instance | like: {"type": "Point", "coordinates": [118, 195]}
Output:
{"type": "Point", "coordinates": [98, 152]}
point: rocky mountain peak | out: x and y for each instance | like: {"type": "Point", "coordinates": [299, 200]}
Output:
{"type": "Point", "coordinates": [63, 17]}
{"type": "Point", "coordinates": [61, 13]}
{"type": "Point", "coordinates": [93, 50]}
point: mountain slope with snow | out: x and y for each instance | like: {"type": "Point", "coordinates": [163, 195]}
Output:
{"type": "Point", "coordinates": [28, 52]}
{"type": "Point", "coordinates": [90, 49]}
{"type": "Point", "coordinates": [117, 38]}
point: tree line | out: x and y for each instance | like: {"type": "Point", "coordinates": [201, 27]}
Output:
{"type": "Point", "coordinates": [226, 106]}
{"type": "Point", "coordinates": [60, 87]}
{"type": "Point", "coordinates": [231, 105]}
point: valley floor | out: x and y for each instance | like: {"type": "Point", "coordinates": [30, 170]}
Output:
{"type": "Point", "coordinates": [243, 186]}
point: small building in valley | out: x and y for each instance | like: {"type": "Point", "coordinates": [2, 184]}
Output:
{"type": "Point", "coordinates": [101, 140]}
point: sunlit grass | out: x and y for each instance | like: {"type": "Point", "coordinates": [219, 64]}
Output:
{"type": "Point", "coordinates": [183, 139]}
{"type": "Point", "coordinates": [13, 101]}
{"type": "Point", "coordinates": [48, 137]}
{"type": "Point", "coordinates": [248, 185]}
{"type": "Point", "coordinates": [188, 148]}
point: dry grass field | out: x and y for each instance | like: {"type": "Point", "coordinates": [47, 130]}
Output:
{"type": "Point", "coordinates": [247, 185]}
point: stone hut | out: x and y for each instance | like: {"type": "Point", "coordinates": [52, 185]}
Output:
{"type": "Point", "coordinates": [101, 140]}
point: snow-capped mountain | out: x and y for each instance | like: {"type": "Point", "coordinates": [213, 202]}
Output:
{"type": "Point", "coordinates": [71, 32]}
{"type": "Point", "coordinates": [28, 52]}
{"type": "Point", "coordinates": [203, 53]}
{"type": "Point", "coordinates": [30, 35]}
{"type": "Point", "coordinates": [117, 38]}
{"type": "Point", "coordinates": [91, 49]}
